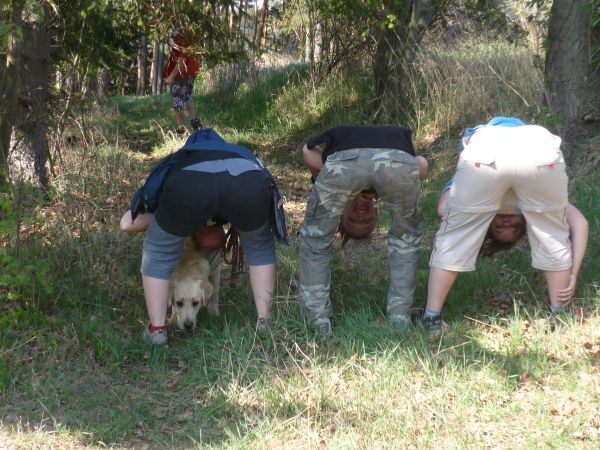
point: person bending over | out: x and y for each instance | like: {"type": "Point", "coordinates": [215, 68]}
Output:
{"type": "Point", "coordinates": [346, 161]}
{"type": "Point", "coordinates": [510, 181]}
{"type": "Point", "coordinates": [203, 185]}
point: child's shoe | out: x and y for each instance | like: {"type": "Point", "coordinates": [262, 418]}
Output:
{"type": "Point", "coordinates": [195, 123]}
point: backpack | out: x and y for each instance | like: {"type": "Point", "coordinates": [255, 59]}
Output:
{"type": "Point", "coordinates": [146, 198]}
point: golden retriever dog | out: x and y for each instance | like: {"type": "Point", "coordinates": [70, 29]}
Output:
{"type": "Point", "coordinates": [195, 284]}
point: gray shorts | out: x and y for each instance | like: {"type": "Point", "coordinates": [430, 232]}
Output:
{"type": "Point", "coordinates": [163, 250]}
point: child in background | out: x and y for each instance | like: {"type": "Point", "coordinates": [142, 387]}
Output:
{"type": "Point", "coordinates": [179, 74]}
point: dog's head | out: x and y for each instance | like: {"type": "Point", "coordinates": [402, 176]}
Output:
{"type": "Point", "coordinates": [189, 295]}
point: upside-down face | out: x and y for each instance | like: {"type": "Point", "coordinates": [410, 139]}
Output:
{"type": "Point", "coordinates": [360, 216]}
{"type": "Point", "coordinates": [507, 228]}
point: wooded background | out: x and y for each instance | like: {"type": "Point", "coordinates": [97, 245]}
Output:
{"type": "Point", "coordinates": [57, 53]}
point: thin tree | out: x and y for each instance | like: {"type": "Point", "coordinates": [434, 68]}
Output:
{"type": "Point", "coordinates": [12, 13]}
{"type": "Point", "coordinates": [29, 143]}
{"type": "Point", "coordinates": [399, 34]}
{"type": "Point", "coordinates": [142, 65]}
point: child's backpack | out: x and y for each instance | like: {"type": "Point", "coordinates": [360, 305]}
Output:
{"type": "Point", "coordinates": [146, 198]}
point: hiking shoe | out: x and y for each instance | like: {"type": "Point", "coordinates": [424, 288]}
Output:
{"type": "Point", "coordinates": [156, 337]}
{"type": "Point", "coordinates": [262, 325]}
{"type": "Point", "coordinates": [434, 325]}
{"type": "Point", "coordinates": [195, 123]}
{"type": "Point", "coordinates": [400, 322]}
{"type": "Point", "coordinates": [180, 130]}
{"type": "Point", "coordinates": [323, 327]}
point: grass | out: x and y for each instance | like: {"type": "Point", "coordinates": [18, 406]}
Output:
{"type": "Point", "coordinates": [74, 372]}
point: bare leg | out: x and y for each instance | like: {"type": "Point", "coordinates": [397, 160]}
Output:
{"type": "Point", "coordinates": [440, 283]}
{"type": "Point", "coordinates": [180, 116]}
{"type": "Point", "coordinates": [157, 292]}
{"type": "Point", "coordinates": [262, 280]}
{"type": "Point", "coordinates": [557, 280]}
{"type": "Point", "coordinates": [189, 107]}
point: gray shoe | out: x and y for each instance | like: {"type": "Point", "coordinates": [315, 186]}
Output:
{"type": "Point", "coordinates": [323, 327]}
{"type": "Point", "coordinates": [400, 322]}
{"type": "Point", "coordinates": [158, 337]}
{"type": "Point", "coordinates": [262, 325]}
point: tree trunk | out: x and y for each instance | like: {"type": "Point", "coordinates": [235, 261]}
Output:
{"type": "Point", "coordinates": [122, 83]}
{"type": "Point", "coordinates": [395, 49]}
{"type": "Point", "coordinates": [572, 80]}
{"type": "Point", "coordinates": [142, 66]}
{"type": "Point", "coordinates": [243, 22]}
{"type": "Point", "coordinates": [263, 25]}
{"type": "Point", "coordinates": [255, 22]}
{"type": "Point", "coordinates": [208, 41]}
{"type": "Point", "coordinates": [309, 45]}
{"type": "Point", "coordinates": [9, 85]}
{"type": "Point", "coordinates": [29, 144]}
{"type": "Point", "coordinates": [242, 16]}
{"type": "Point", "coordinates": [156, 68]}
{"type": "Point", "coordinates": [318, 39]}
{"type": "Point", "coordinates": [161, 63]}
{"type": "Point", "coordinates": [230, 16]}
{"type": "Point", "coordinates": [420, 18]}
{"type": "Point", "coordinates": [381, 63]}
{"type": "Point", "coordinates": [102, 84]}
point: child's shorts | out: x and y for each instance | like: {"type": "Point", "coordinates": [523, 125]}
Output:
{"type": "Point", "coordinates": [181, 91]}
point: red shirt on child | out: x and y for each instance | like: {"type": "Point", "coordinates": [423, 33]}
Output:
{"type": "Point", "coordinates": [188, 64]}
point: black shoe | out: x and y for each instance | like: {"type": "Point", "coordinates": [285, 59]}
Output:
{"type": "Point", "coordinates": [195, 123]}
{"type": "Point", "coordinates": [180, 130]}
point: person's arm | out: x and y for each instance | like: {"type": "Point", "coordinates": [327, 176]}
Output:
{"type": "Point", "coordinates": [579, 229]}
{"type": "Point", "coordinates": [139, 224]}
{"type": "Point", "coordinates": [171, 76]}
{"type": "Point", "coordinates": [313, 158]}
{"type": "Point", "coordinates": [442, 202]}
{"type": "Point", "coordinates": [423, 165]}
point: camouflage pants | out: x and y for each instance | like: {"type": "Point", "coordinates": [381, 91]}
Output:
{"type": "Point", "coordinates": [394, 175]}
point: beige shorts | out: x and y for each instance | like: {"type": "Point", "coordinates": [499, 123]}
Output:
{"type": "Point", "coordinates": [526, 161]}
